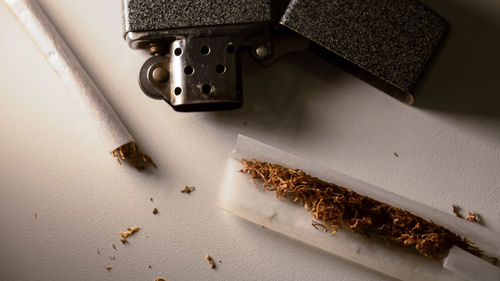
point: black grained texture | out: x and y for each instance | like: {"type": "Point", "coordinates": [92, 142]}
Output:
{"type": "Point", "coordinates": [393, 40]}
{"type": "Point", "coordinates": [149, 15]}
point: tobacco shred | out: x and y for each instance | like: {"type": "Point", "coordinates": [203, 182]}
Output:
{"type": "Point", "coordinates": [129, 232]}
{"type": "Point", "coordinates": [472, 217]}
{"type": "Point", "coordinates": [131, 154]}
{"type": "Point", "coordinates": [188, 189]}
{"type": "Point", "coordinates": [159, 279]}
{"type": "Point", "coordinates": [210, 261]}
{"type": "Point", "coordinates": [126, 234]}
{"type": "Point", "coordinates": [315, 224]}
{"type": "Point", "coordinates": [34, 214]}
{"type": "Point", "coordinates": [339, 207]}
{"type": "Point", "coordinates": [114, 246]}
{"type": "Point", "coordinates": [155, 211]}
{"type": "Point", "coordinates": [108, 267]}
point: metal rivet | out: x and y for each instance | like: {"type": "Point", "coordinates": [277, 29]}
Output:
{"type": "Point", "coordinates": [154, 49]}
{"type": "Point", "coordinates": [160, 74]}
{"type": "Point", "coordinates": [262, 51]}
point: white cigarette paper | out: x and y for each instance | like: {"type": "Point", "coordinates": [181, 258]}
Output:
{"type": "Point", "coordinates": [239, 196]}
{"type": "Point", "coordinates": [469, 266]}
{"type": "Point", "coordinates": [96, 108]}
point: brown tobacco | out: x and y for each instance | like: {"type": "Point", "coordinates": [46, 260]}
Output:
{"type": "Point", "coordinates": [131, 154]}
{"type": "Point", "coordinates": [210, 261]}
{"type": "Point", "coordinates": [126, 234]}
{"type": "Point", "coordinates": [472, 217]}
{"type": "Point", "coordinates": [188, 189]}
{"type": "Point", "coordinates": [339, 207]}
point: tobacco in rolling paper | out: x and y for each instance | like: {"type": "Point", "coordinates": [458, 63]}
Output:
{"type": "Point", "coordinates": [239, 196]}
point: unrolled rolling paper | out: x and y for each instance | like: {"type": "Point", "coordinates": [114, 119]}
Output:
{"type": "Point", "coordinates": [239, 196]}
{"type": "Point", "coordinates": [92, 103]}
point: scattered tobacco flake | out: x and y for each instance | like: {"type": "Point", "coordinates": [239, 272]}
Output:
{"type": "Point", "coordinates": [112, 257]}
{"type": "Point", "coordinates": [98, 252]}
{"type": "Point", "coordinates": [396, 154]}
{"type": "Point", "coordinates": [131, 154]}
{"type": "Point", "coordinates": [188, 189]}
{"type": "Point", "coordinates": [155, 211]}
{"type": "Point", "coordinates": [34, 214]}
{"type": "Point", "coordinates": [219, 261]}
{"type": "Point", "coordinates": [456, 210]}
{"type": "Point", "coordinates": [108, 268]}
{"type": "Point", "coordinates": [339, 207]}
{"type": "Point", "coordinates": [129, 232]}
{"type": "Point", "coordinates": [149, 266]}
{"type": "Point", "coordinates": [126, 234]}
{"type": "Point", "coordinates": [114, 246]}
{"type": "Point", "coordinates": [159, 279]}
{"type": "Point", "coordinates": [472, 217]}
{"type": "Point", "coordinates": [210, 261]}
{"type": "Point", "coordinates": [151, 199]}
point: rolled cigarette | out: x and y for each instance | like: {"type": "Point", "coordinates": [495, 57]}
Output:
{"type": "Point", "coordinates": [92, 103]}
{"type": "Point", "coordinates": [239, 196]}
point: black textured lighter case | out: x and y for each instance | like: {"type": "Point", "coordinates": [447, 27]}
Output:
{"type": "Point", "coordinates": [388, 42]}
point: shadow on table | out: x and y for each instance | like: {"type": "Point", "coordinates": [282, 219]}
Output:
{"type": "Point", "coordinates": [274, 97]}
{"type": "Point", "coordinates": [466, 76]}
{"type": "Point", "coordinates": [465, 79]}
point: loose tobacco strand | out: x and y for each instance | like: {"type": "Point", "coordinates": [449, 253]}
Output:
{"type": "Point", "coordinates": [131, 154]}
{"type": "Point", "coordinates": [339, 207]}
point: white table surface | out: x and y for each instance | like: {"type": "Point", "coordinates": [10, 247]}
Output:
{"type": "Point", "coordinates": [52, 163]}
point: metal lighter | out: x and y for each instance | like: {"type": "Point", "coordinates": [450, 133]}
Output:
{"type": "Point", "coordinates": [195, 45]}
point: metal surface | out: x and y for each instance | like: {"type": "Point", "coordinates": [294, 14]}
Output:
{"type": "Point", "coordinates": [389, 42]}
{"type": "Point", "coordinates": [152, 15]}
{"type": "Point", "coordinates": [204, 73]}
{"type": "Point", "coordinates": [262, 51]}
{"type": "Point", "coordinates": [159, 74]}
{"type": "Point", "coordinates": [203, 66]}
{"type": "Point", "coordinates": [283, 43]}
{"type": "Point", "coordinates": [150, 86]}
